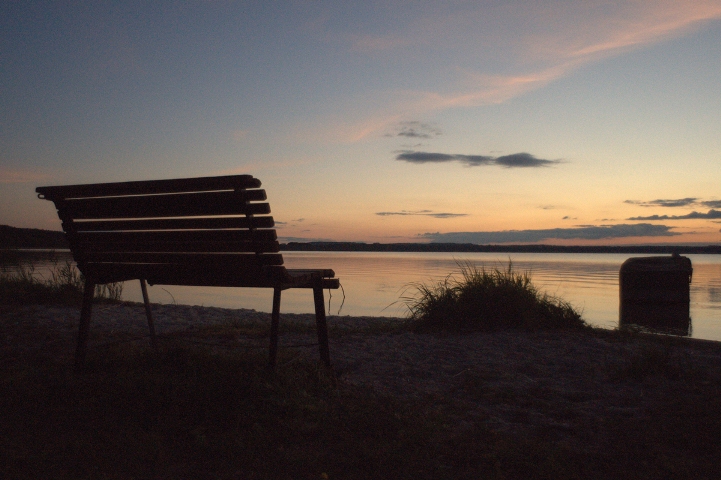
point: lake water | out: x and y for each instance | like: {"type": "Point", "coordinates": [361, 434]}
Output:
{"type": "Point", "coordinates": [374, 281]}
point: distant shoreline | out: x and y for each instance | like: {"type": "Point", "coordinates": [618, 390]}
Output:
{"type": "Point", "coordinates": [12, 238]}
{"type": "Point", "coordinates": [469, 247]}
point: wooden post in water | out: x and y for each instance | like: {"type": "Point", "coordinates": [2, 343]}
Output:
{"type": "Point", "coordinates": [655, 293]}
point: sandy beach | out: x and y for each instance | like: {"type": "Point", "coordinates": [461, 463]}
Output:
{"type": "Point", "coordinates": [559, 385]}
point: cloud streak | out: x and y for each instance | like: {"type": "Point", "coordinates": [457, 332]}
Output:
{"type": "Point", "coordinates": [711, 214]}
{"type": "Point", "coordinates": [515, 160]}
{"type": "Point", "coordinates": [678, 202]}
{"type": "Point", "coordinates": [282, 239]}
{"type": "Point", "coordinates": [416, 130]}
{"type": "Point", "coordinates": [583, 232]}
{"type": "Point", "coordinates": [547, 43]}
{"type": "Point", "coordinates": [425, 213]}
{"type": "Point", "coordinates": [8, 175]}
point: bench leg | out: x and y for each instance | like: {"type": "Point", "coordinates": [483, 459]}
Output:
{"type": "Point", "coordinates": [85, 313]}
{"type": "Point", "coordinates": [274, 324]}
{"type": "Point", "coordinates": [321, 325]}
{"type": "Point", "coordinates": [149, 314]}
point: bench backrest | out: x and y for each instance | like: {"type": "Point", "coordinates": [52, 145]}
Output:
{"type": "Point", "coordinates": [195, 231]}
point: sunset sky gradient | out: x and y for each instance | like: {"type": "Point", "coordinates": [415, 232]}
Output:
{"type": "Point", "coordinates": [586, 122]}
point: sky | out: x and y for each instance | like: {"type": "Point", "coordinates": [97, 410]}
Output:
{"type": "Point", "coordinates": [569, 123]}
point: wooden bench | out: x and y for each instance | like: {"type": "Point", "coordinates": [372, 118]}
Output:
{"type": "Point", "coordinates": [208, 231]}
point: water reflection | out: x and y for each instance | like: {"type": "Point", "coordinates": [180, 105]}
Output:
{"type": "Point", "coordinates": [372, 281]}
{"type": "Point", "coordinates": [41, 260]}
{"type": "Point", "coordinates": [671, 319]}
{"type": "Point", "coordinates": [714, 294]}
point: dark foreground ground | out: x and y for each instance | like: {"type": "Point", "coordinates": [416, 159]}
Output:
{"type": "Point", "coordinates": [571, 404]}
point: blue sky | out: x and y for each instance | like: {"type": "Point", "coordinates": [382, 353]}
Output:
{"type": "Point", "coordinates": [591, 122]}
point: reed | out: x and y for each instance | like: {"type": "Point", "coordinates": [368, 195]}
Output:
{"type": "Point", "coordinates": [486, 300]}
{"type": "Point", "coordinates": [64, 285]}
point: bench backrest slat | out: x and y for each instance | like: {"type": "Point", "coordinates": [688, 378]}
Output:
{"type": "Point", "coordinates": [221, 223]}
{"type": "Point", "coordinates": [178, 236]}
{"type": "Point", "coordinates": [166, 205]}
{"type": "Point", "coordinates": [147, 187]}
{"type": "Point", "coordinates": [176, 247]}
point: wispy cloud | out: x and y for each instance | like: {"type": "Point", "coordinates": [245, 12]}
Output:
{"type": "Point", "coordinates": [678, 202]}
{"type": "Point", "coordinates": [578, 29]}
{"type": "Point", "coordinates": [9, 175]}
{"type": "Point", "coordinates": [425, 213]}
{"type": "Point", "coordinates": [488, 89]}
{"type": "Point", "coordinates": [303, 239]}
{"type": "Point", "coordinates": [583, 232]}
{"type": "Point", "coordinates": [290, 223]}
{"type": "Point", "coordinates": [533, 46]}
{"type": "Point", "coordinates": [515, 160]}
{"type": "Point", "coordinates": [711, 214]}
{"type": "Point", "coordinates": [253, 167]}
{"type": "Point", "coordinates": [640, 23]}
{"type": "Point", "coordinates": [415, 129]}
{"type": "Point", "coordinates": [560, 51]}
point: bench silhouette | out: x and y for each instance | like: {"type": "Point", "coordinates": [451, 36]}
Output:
{"type": "Point", "coordinates": [206, 231]}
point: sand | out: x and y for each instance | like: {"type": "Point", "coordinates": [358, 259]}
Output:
{"type": "Point", "coordinates": [559, 385]}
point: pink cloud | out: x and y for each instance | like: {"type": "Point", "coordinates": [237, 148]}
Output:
{"type": "Point", "coordinates": [538, 44]}
{"type": "Point", "coordinates": [637, 24]}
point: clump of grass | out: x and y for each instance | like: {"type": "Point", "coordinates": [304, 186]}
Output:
{"type": "Point", "coordinates": [64, 285]}
{"type": "Point", "coordinates": [487, 300]}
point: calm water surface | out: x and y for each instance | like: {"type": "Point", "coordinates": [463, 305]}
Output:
{"type": "Point", "coordinates": [374, 281]}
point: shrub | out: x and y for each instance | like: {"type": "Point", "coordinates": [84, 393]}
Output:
{"type": "Point", "coordinates": [487, 300]}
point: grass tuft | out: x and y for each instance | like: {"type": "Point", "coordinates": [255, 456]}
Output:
{"type": "Point", "coordinates": [64, 286]}
{"type": "Point", "coordinates": [487, 300]}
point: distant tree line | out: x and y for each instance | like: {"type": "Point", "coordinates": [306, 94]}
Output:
{"type": "Point", "coordinates": [11, 237]}
{"type": "Point", "coordinates": [470, 247]}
